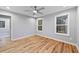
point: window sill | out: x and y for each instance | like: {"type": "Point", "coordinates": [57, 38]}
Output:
{"type": "Point", "coordinates": [62, 34]}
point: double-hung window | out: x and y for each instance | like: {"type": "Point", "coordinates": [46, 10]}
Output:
{"type": "Point", "coordinates": [39, 24]}
{"type": "Point", "coordinates": [62, 24]}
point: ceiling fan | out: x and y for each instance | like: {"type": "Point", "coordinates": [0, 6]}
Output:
{"type": "Point", "coordinates": [35, 10]}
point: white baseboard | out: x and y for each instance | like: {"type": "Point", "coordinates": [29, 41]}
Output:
{"type": "Point", "coordinates": [60, 40]}
{"type": "Point", "coordinates": [22, 37]}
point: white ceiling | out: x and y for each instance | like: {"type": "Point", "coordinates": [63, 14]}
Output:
{"type": "Point", "coordinates": [46, 11]}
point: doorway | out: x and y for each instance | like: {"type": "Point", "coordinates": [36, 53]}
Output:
{"type": "Point", "coordinates": [5, 29]}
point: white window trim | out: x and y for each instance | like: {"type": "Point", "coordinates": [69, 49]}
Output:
{"type": "Point", "coordinates": [39, 25]}
{"type": "Point", "coordinates": [68, 32]}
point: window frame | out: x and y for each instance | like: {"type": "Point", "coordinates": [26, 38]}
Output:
{"type": "Point", "coordinates": [68, 21]}
{"type": "Point", "coordinates": [39, 25]}
{"type": "Point", "coordinates": [3, 23]}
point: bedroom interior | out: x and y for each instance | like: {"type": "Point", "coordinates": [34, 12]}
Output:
{"type": "Point", "coordinates": [39, 29]}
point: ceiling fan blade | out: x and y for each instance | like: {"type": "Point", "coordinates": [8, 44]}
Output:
{"type": "Point", "coordinates": [28, 10]}
{"type": "Point", "coordinates": [41, 8]}
{"type": "Point", "coordinates": [40, 12]}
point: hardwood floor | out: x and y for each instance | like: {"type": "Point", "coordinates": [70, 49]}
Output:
{"type": "Point", "coordinates": [38, 44]}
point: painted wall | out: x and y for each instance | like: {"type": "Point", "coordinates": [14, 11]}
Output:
{"type": "Point", "coordinates": [23, 26]}
{"type": "Point", "coordinates": [78, 26]}
{"type": "Point", "coordinates": [5, 32]}
{"type": "Point", "coordinates": [20, 25]}
{"type": "Point", "coordinates": [49, 26]}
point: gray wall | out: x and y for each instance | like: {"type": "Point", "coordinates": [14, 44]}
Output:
{"type": "Point", "coordinates": [23, 25]}
{"type": "Point", "coordinates": [78, 26]}
{"type": "Point", "coordinates": [5, 32]}
{"type": "Point", "coordinates": [20, 25]}
{"type": "Point", "coordinates": [49, 26]}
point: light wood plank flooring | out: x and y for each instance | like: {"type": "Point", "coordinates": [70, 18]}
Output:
{"type": "Point", "coordinates": [38, 44]}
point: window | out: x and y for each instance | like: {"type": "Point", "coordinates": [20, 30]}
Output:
{"type": "Point", "coordinates": [2, 24]}
{"type": "Point", "coordinates": [40, 25]}
{"type": "Point", "coordinates": [62, 24]}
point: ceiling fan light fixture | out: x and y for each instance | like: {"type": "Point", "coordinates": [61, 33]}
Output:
{"type": "Point", "coordinates": [35, 11]}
